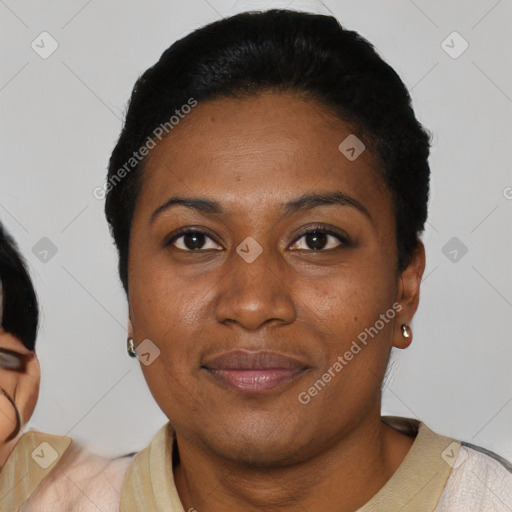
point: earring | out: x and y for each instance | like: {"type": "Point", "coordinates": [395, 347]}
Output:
{"type": "Point", "coordinates": [406, 331]}
{"type": "Point", "coordinates": [130, 347]}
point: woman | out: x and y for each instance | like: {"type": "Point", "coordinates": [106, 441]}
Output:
{"type": "Point", "coordinates": [19, 367]}
{"type": "Point", "coordinates": [269, 248]}
{"type": "Point", "coordinates": [38, 471]}
{"type": "Point", "coordinates": [267, 196]}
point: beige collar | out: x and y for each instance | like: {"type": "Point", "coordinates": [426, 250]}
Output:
{"type": "Point", "coordinates": [33, 457]}
{"type": "Point", "coordinates": [419, 481]}
{"type": "Point", "coordinates": [416, 485]}
{"type": "Point", "coordinates": [149, 482]}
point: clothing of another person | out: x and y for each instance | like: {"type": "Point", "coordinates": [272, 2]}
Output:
{"type": "Point", "coordinates": [438, 474]}
{"type": "Point", "coordinates": [45, 472]}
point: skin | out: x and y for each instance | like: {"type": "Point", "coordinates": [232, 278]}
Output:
{"type": "Point", "coordinates": [269, 451]}
{"type": "Point", "coordinates": [22, 387]}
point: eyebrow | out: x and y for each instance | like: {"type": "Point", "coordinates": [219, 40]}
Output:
{"type": "Point", "coordinates": [196, 203]}
{"type": "Point", "coordinates": [302, 203]}
{"type": "Point", "coordinates": [309, 201]}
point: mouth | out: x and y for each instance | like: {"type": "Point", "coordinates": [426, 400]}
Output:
{"type": "Point", "coordinates": [253, 372]}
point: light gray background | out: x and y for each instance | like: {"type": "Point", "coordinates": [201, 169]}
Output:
{"type": "Point", "coordinates": [61, 117]}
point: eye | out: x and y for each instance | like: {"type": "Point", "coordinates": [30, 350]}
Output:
{"type": "Point", "coordinates": [193, 240]}
{"type": "Point", "coordinates": [10, 360]}
{"type": "Point", "coordinates": [320, 239]}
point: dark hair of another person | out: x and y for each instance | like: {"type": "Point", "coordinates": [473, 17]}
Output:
{"type": "Point", "coordinates": [20, 314]}
{"type": "Point", "coordinates": [281, 51]}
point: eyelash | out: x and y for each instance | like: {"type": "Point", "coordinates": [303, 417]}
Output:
{"type": "Point", "coordinates": [343, 239]}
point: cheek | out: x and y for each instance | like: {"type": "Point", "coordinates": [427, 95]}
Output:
{"type": "Point", "coordinates": [346, 310]}
{"type": "Point", "coordinates": [350, 299]}
{"type": "Point", "coordinates": [172, 312]}
{"type": "Point", "coordinates": [7, 418]}
{"type": "Point", "coordinates": [163, 299]}
{"type": "Point", "coordinates": [355, 342]}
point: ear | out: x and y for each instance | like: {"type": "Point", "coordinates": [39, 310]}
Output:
{"type": "Point", "coordinates": [409, 295]}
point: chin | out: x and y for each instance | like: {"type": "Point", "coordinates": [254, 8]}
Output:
{"type": "Point", "coordinates": [261, 455]}
{"type": "Point", "coordinates": [259, 446]}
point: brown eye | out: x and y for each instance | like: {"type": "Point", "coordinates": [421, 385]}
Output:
{"type": "Point", "coordinates": [320, 239]}
{"type": "Point", "coordinates": [316, 240]}
{"type": "Point", "coordinates": [193, 240]}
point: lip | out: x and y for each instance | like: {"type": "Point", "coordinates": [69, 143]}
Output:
{"type": "Point", "coordinates": [254, 371]}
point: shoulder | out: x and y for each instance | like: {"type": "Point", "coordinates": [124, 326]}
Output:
{"type": "Point", "coordinates": [81, 481]}
{"type": "Point", "coordinates": [469, 478]}
{"type": "Point", "coordinates": [480, 481]}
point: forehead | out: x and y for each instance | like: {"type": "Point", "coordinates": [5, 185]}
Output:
{"type": "Point", "coordinates": [270, 145]}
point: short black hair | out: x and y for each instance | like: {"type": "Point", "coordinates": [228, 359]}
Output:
{"type": "Point", "coordinates": [20, 311]}
{"type": "Point", "coordinates": [281, 51]}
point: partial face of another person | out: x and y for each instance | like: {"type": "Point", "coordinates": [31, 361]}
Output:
{"type": "Point", "coordinates": [19, 383]}
{"type": "Point", "coordinates": [264, 270]}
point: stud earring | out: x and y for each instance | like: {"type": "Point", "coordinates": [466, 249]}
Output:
{"type": "Point", "coordinates": [130, 347]}
{"type": "Point", "coordinates": [406, 331]}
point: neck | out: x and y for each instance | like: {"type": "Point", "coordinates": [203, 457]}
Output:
{"type": "Point", "coordinates": [340, 479]}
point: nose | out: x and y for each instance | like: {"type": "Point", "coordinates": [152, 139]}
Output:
{"type": "Point", "coordinates": [257, 293]}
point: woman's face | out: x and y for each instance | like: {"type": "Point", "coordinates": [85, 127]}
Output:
{"type": "Point", "coordinates": [19, 380]}
{"type": "Point", "coordinates": [251, 314]}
